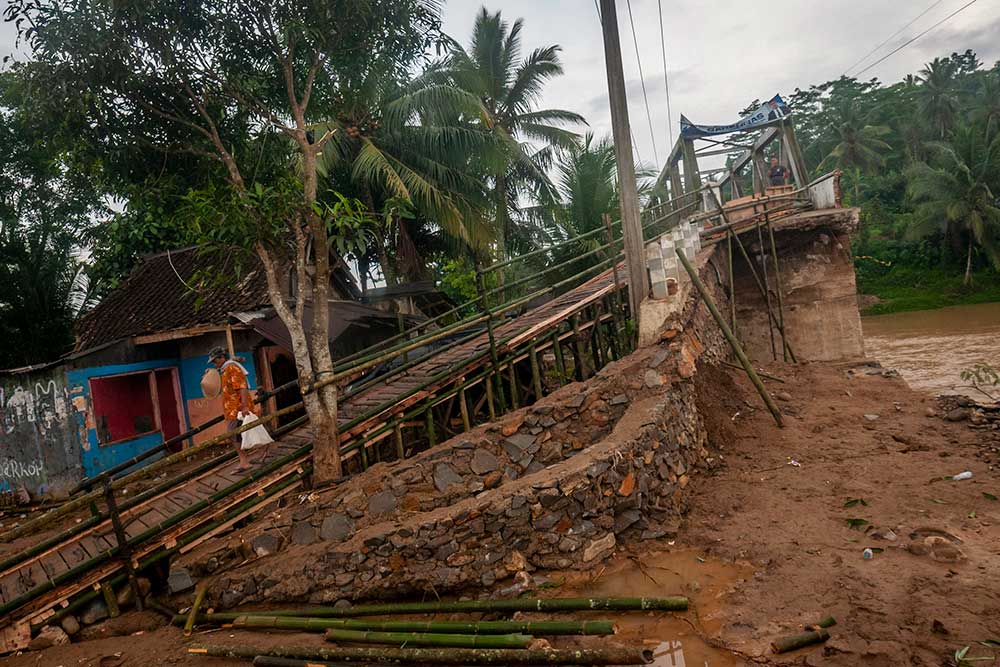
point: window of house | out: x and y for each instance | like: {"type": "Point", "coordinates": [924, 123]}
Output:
{"type": "Point", "coordinates": [131, 405]}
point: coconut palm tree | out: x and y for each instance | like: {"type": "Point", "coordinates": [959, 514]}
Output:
{"type": "Point", "coordinates": [952, 195]}
{"type": "Point", "coordinates": [406, 152]}
{"type": "Point", "coordinates": [938, 96]}
{"type": "Point", "coordinates": [860, 147]}
{"type": "Point", "coordinates": [586, 183]}
{"type": "Point", "coordinates": [986, 104]}
{"type": "Point", "coordinates": [509, 87]}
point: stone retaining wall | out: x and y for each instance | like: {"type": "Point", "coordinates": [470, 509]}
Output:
{"type": "Point", "coordinates": [554, 485]}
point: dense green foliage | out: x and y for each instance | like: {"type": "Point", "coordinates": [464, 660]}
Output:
{"type": "Point", "coordinates": [921, 157]}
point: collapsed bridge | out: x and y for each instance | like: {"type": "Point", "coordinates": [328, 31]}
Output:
{"type": "Point", "coordinates": [506, 350]}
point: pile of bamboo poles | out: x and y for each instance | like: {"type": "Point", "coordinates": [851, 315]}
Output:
{"type": "Point", "coordinates": [462, 642]}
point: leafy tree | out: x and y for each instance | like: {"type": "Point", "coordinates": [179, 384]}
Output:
{"type": "Point", "coordinates": [952, 195]}
{"type": "Point", "coordinates": [214, 79]}
{"type": "Point", "coordinates": [509, 88]}
{"type": "Point", "coordinates": [48, 204]}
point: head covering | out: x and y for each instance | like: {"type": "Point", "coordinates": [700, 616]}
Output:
{"type": "Point", "coordinates": [215, 353]}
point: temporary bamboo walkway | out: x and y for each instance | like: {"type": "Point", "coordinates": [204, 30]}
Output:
{"type": "Point", "coordinates": [42, 583]}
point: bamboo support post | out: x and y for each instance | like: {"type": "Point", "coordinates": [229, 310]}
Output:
{"type": "Point", "coordinates": [403, 639]}
{"type": "Point", "coordinates": [767, 286]}
{"type": "Point", "coordinates": [515, 394]}
{"type": "Point", "coordinates": [463, 405]}
{"type": "Point", "coordinates": [616, 297]}
{"type": "Point", "coordinates": [727, 332]}
{"type": "Point", "coordinates": [786, 644]}
{"type": "Point", "coordinates": [110, 600]}
{"type": "Point", "coordinates": [578, 358]}
{"type": "Point", "coordinates": [536, 371]}
{"type": "Point", "coordinates": [777, 284]}
{"type": "Point", "coordinates": [400, 451]}
{"type": "Point", "coordinates": [596, 351]}
{"type": "Point", "coordinates": [431, 434]}
{"type": "Point", "coordinates": [124, 550]}
{"type": "Point", "coordinates": [760, 288]}
{"type": "Point", "coordinates": [493, 343]}
{"type": "Point", "coordinates": [490, 405]}
{"type": "Point", "coordinates": [732, 283]}
{"type": "Point", "coordinates": [611, 655]}
{"type": "Point", "coordinates": [199, 597]}
{"type": "Point", "coordinates": [560, 360]}
{"type": "Point", "coordinates": [538, 628]}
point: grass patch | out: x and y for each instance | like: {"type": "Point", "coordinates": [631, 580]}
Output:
{"type": "Point", "coordinates": [905, 288]}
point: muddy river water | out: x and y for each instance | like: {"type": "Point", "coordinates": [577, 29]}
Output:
{"type": "Point", "coordinates": [930, 348]}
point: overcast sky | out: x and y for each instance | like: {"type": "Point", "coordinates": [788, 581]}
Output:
{"type": "Point", "coordinates": [722, 54]}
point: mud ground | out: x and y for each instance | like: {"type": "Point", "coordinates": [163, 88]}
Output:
{"type": "Point", "coordinates": [768, 545]}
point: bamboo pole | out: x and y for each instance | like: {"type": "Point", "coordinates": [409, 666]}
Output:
{"type": "Point", "coordinates": [786, 644]}
{"type": "Point", "coordinates": [511, 605]}
{"type": "Point", "coordinates": [124, 551]}
{"type": "Point", "coordinates": [560, 360]}
{"type": "Point", "coordinates": [759, 372]}
{"type": "Point", "coordinates": [611, 655]}
{"type": "Point", "coordinates": [616, 294]}
{"type": "Point", "coordinates": [760, 287]}
{"type": "Point", "coordinates": [767, 288]}
{"type": "Point", "coordinates": [404, 639]}
{"type": "Point", "coordinates": [400, 452]}
{"type": "Point", "coordinates": [538, 628]}
{"type": "Point", "coordinates": [732, 283]}
{"type": "Point", "coordinates": [431, 433]}
{"type": "Point", "coordinates": [463, 406]}
{"type": "Point", "coordinates": [777, 282]}
{"type": "Point", "coordinates": [199, 596]}
{"type": "Point", "coordinates": [536, 371]}
{"type": "Point", "coordinates": [737, 350]}
{"type": "Point", "coordinates": [515, 394]}
{"type": "Point", "coordinates": [493, 342]}
{"type": "Point", "coordinates": [577, 349]}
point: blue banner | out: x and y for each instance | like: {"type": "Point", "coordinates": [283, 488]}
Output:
{"type": "Point", "coordinates": [768, 113]}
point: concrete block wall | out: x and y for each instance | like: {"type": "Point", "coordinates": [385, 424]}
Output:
{"type": "Point", "coordinates": [661, 257]}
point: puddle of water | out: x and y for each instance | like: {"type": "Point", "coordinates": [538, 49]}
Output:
{"type": "Point", "coordinates": [930, 348]}
{"type": "Point", "coordinates": [674, 639]}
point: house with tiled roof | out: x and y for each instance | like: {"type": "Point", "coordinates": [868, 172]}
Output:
{"type": "Point", "coordinates": [134, 379]}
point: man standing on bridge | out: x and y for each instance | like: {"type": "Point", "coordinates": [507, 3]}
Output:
{"type": "Point", "coordinates": [777, 174]}
{"type": "Point", "coordinates": [235, 397]}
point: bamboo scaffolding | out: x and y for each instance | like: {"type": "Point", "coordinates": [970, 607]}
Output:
{"type": "Point", "coordinates": [737, 350]}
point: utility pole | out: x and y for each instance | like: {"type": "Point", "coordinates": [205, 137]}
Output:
{"type": "Point", "coordinates": [635, 263]}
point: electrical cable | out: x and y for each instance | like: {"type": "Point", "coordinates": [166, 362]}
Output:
{"type": "Point", "coordinates": [890, 37]}
{"type": "Point", "coordinates": [642, 82]}
{"type": "Point", "coordinates": [910, 41]}
{"type": "Point", "coordinates": [666, 81]}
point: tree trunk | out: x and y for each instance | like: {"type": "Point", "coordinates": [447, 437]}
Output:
{"type": "Point", "coordinates": [968, 263]}
{"type": "Point", "coordinates": [503, 217]}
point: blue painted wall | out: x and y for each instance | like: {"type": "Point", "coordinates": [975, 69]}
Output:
{"type": "Point", "coordinates": [95, 458]}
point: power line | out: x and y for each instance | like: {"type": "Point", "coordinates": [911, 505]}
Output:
{"type": "Point", "coordinates": [635, 145]}
{"type": "Point", "coordinates": [666, 81]}
{"type": "Point", "coordinates": [910, 41]}
{"type": "Point", "coordinates": [642, 81]}
{"type": "Point", "coordinates": [890, 37]}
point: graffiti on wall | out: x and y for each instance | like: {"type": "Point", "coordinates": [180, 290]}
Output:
{"type": "Point", "coordinates": [45, 405]}
{"type": "Point", "coordinates": [33, 418]}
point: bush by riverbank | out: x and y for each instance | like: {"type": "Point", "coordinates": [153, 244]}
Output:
{"type": "Point", "coordinates": [903, 288]}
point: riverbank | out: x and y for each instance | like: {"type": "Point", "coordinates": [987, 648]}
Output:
{"type": "Point", "coordinates": [904, 289]}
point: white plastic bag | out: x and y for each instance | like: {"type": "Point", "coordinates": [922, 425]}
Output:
{"type": "Point", "coordinates": [256, 436]}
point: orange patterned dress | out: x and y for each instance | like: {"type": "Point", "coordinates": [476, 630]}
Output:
{"type": "Point", "coordinates": [234, 380]}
